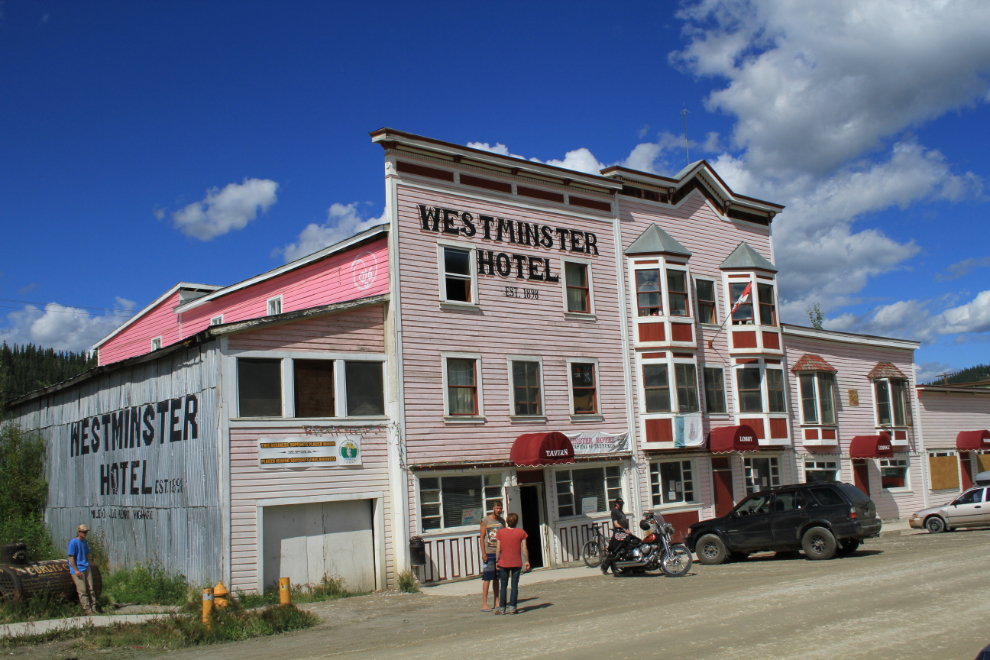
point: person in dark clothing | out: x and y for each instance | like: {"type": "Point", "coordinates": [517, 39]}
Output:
{"type": "Point", "coordinates": [620, 524]}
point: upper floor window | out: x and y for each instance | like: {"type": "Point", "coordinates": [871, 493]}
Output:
{"type": "Point", "coordinates": [584, 388]}
{"type": "Point", "coordinates": [741, 298]}
{"type": "Point", "coordinates": [578, 287]}
{"type": "Point", "coordinates": [706, 301]}
{"type": "Point", "coordinates": [526, 396]}
{"type": "Point", "coordinates": [457, 275]}
{"type": "Point", "coordinates": [156, 343]}
{"type": "Point", "coordinates": [677, 292]}
{"type": "Point", "coordinates": [817, 397]}
{"type": "Point", "coordinates": [462, 387]}
{"type": "Point", "coordinates": [893, 402]}
{"type": "Point", "coordinates": [648, 297]}
{"type": "Point", "coordinates": [259, 387]}
{"type": "Point", "coordinates": [687, 387]}
{"type": "Point", "coordinates": [314, 388]}
{"type": "Point", "coordinates": [750, 393]}
{"type": "Point", "coordinates": [768, 308]}
{"type": "Point", "coordinates": [714, 390]}
{"type": "Point", "coordinates": [775, 391]}
{"type": "Point", "coordinates": [275, 306]}
{"type": "Point", "coordinates": [365, 386]}
{"type": "Point", "coordinates": [217, 320]}
{"type": "Point", "coordinates": [656, 388]}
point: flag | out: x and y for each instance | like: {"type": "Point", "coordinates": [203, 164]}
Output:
{"type": "Point", "coordinates": [744, 298]}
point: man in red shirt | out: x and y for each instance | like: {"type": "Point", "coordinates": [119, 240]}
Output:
{"type": "Point", "coordinates": [511, 556]}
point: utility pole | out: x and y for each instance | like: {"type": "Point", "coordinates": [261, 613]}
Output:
{"type": "Point", "coordinates": [687, 152]}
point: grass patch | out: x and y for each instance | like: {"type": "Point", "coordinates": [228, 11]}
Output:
{"type": "Point", "coordinates": [406, 582]}
{"type": "Point", "coordinates": [145, 584]}
{"type": "Point", "coordinates": [38, 609]}
{"type": "Point", "coordinates": [327, 589]}
{"type": "Point", "coordinates": [181, 631]}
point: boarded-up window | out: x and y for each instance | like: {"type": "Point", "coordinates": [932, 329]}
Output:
{"type": "Point", "coordinates": [313, 388]}
{"type": "Point", "coordinates": [983, 461]}
{"type": "Point", "coordinates": [945, 475]}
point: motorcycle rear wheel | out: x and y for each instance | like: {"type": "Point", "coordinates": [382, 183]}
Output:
{"type": "Point", "coordinates": [678, 562]}
{"type": "Point", "coordinates": [593, 554]}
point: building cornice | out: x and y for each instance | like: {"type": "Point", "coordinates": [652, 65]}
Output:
{"type": "Point", "coordinates": [849, 338]}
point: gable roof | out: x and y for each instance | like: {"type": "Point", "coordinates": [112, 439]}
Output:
{"type": "Point", "coordinates": [885, 370]}
{"type": "Point", "coordinates": [655, 240]}
{"type": "Point", "coordinates": [181, 286]}
{"type": "Point", "coordinates": [745, 256]}
{"type": "Point", "coordinates": [812, 362]}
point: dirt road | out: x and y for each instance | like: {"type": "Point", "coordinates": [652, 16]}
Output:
{"type": "Point", "coordinates": [919, 596]}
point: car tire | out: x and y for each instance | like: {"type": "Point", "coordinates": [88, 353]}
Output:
{"type": "Point", "coordinates": [711, 550]}
{"type": "Point", "coordinates": [818, 543]}
{"type": "Point", "coordinates": [847, 547]}
{"type": "Point", "coordinates": [935, 525]}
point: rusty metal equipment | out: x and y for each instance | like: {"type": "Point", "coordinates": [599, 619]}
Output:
{"type": "Point", "coordinates": [21, 579]}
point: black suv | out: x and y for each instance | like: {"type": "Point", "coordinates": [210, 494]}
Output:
{"type": "Point", "coordinates": [821, 518]}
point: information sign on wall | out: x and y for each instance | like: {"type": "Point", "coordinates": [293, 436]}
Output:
{"type": "Point", "coordinates": [302, 452]}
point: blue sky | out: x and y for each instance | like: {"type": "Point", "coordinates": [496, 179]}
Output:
{"type": "Point", "coordinates": [143, 144]}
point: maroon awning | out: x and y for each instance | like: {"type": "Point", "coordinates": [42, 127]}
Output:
{"type": "Point", "coordinates": [532, 449]}
{"type": "Point", "coordinates": [973, 440]}
{"type": "Point", "coordinates": [732, 438]}
{"type": "Point", "coordinates": [871, 446]}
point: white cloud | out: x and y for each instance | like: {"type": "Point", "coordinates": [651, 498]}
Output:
{"type": "Point", "coordinates": [224, 210]}
{"type": "Point", "coordinates": [581, 160]}
{"type": "Point", "coordinates": [961, 268]}
{"type": "Point", "coordinates": [498, 148]}
{"type": "Point", "coordinates": [159, 214]}
{"type": "Point", "coordinates": [343, 221]}
{"type": "Point", "coordinates": [62, 328]}
{"type": "Point", "coordinates": [929, 371]}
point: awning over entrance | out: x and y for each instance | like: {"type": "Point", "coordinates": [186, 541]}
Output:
{"type": "Point", "coordinates": [871, 446]}
{"type": "Point", "coordinates": [532, 449]}
{"type": "Point", "coordinates": [732, 438]}
{"type": "Point", "coordinates": [973, 440]}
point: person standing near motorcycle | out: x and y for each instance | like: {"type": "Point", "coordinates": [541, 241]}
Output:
{"type": "Point", "coordinates": [489, 528]}
{"type": "Point", "coordinates": [620, 524]}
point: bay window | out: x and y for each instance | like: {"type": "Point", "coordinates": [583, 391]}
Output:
{"type": "Point", "coordinates": [893, 402]}
{"type": "Point", "coordinates": [457, 501]}
{"type": "Point", "coordinates": [687, 387]}
{"type": "Point", "coordinates": [656, 388]}
{"type": "Point", "coordinates": [671, 482]}
{"type": "Point", "coordinates": [743, 314]}
{"type": "Point", "coordinates": [714, 390]}
{"type": "Point", "coordinates": [677, 292]}
{"type": "Point", "coordinates": [587, 491]}
{"type": "Point", "coordinates": [775, 391]}
{"type": "Point", "coordinates": [750, 392]}
{"type": "Point", "coordinates": [768, 309]}
{"type": "Point", "coordinates": [817, 398]}
{"type": "Point", "coordinates": [648, 297]}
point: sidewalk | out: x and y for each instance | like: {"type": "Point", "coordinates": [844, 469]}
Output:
{"type": "Point", "coordinates": [41, 627]}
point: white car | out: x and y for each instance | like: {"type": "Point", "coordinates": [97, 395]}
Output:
{"type": "Point", "coordinates": [971, 509]}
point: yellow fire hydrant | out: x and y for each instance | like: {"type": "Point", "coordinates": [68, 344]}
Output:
{"type": "Point", "coordinates": [207, 605]}
{"type": "Point", "coordinates": [284, 593]}
{"type": "Point", "coordinates": [220, 594]}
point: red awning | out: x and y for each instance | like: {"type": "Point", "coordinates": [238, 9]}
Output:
{"type": "Point", "coordinates": [732, 438]}
{"type": "Point", "coordinates": [542, 449]}
{"type": "Point", "coordinates": [871, 446]}
{"type": "Point", "coordinates": [973, 440]}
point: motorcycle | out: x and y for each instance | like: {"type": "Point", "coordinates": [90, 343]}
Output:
{"type": "Point", "coordinates": [628, 554]}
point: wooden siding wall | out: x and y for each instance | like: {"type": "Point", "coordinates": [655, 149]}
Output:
{"type": "Point", "coordinates": [182, 531]}
{"type": "Point", "coordinates": [136, 340]}
{"type": "Point", "coordinates": [945, 414]}
{"type": "Point", "coordinates": [360, 330]}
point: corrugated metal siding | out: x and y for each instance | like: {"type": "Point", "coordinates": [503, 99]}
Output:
{"type": "Point", "coordinates": [184, 530]}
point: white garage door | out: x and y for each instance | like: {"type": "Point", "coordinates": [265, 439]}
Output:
{"type": "Point", "coordinates": [304, 542]}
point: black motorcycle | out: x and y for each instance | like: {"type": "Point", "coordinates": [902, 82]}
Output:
{"type": "Point", "coordinates": [629, 554]}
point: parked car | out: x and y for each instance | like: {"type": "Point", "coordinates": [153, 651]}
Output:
{"type": "Point", "coordinates": [822, 519]}
{"type": "Point", "coordinates": [971, 509]}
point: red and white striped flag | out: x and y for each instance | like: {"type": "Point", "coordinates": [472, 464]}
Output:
{"type": "Point", "coordinates": [744, 298]}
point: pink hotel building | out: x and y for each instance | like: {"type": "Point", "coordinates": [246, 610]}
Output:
{"type": "Point", "coordinates": [522, 332]}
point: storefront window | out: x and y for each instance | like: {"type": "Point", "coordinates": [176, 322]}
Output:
{"type": "Point", "coordinates": [893, 473]}
{"type": "Point", "coordinates": [457, 501]}
{"type": "Point", "coordinates": [750, 394]}
{"type": "Point", "coordinates": [672, 482]}
{"type": "Point", "coordinates": [714, 390]}
{"type": "Point", "coordinates": [657, 388]}
{"type": "Point", "coordinates": [648, 292]}
{"type": "Point", "coordinates": [820, 471]}
{"type": "Point", "coordinates": [259, 388]}
{"type": "Point", "coordinates": [365, 388]}
{"type": "Point", "coordinates": [592, 490]}
{"type": "Point", "coordinates": [687, 388]}
{"type": "Point", "coordinates": [761, 473]}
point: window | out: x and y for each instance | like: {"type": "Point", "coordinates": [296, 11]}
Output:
{"type": "Point", "coordinates": [687, 388]}
{"type": "Point", "coordinates": [592, 490]}
{"type": "Point", "coordinates": [768, 310]}
{"type": "Point", "coordinates": [706, 301]}
{"type": "Point", "coordinates": [817, 393]}
{"type": "Point", "coordinates": [893, 402]}
{"type": "Point", "coordinates": [457, 501]}
{"type": "Point", "coordinates": [677, 292]}
{"type": "Point", "coordinates": [648, 292]}
{"type": "Point", "coordinates": [972, 497]}
{"type": "Point", "coordinates": [462, 387]}
{"type": "Point", "coordinates": [714, 390]}
{"type": "Point", "coordinates": [526, 388]}
{"type": "Point", "coordinates": [217, 320]}
{"type": "Point", "coordinates": [578, 289]}
{"type": "Point", "coordinates": [750, 394]}
{"type": "Point", "coordinates": [583, 388]}
{"type": "Point", "coordinates": [775, 390]}
{"type": "Point", "coordinates": [457, 275]}
{"type": "Point", "coordinates": [943, 470]}
{"type": "Point", "coordinates": [672, 482]}
{"type": "Point", "coordinates": [761, 473]}
{"type": "Point", "coordinates": [313, 388]}
{"type": "Point", "coordinates": [656, 388]}
{"type": "Point", "coordinates": [365, 388]}
{"type": "Point", "coordinates": [789, 501]}
{"type": "Point", "coordinates": [893, 473]}
{"type": "Point", "coordinates": [259, 388]}
{"type": "Point", "coordinates": [156, 344]}
{"type": "Point", "coordinates": [827, 496]}
{"type": "Point", "coordinates": [743, 314]}
{"type": "Point", "coordinates": [820, 471]}
{"type": "Point", "coordinates": [275, 306]}
{"type": "Point", "coordinates": [756, 505]}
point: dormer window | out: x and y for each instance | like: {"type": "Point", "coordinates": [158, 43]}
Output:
{"type": "Point", "coordinates": [892, 395]}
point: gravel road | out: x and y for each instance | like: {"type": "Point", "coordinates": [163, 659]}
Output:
{"type": "Point", "coordinates": [914, 596]}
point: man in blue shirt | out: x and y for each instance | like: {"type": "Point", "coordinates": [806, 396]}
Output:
{"type": "Point", "coordinates": [79, 569]}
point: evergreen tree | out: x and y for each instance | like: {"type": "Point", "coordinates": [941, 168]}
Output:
{"type": "Point", "coordinates": [28, 367]}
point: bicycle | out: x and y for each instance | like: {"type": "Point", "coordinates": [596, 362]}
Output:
{"type": "Point", "coordinates": [593, 552]}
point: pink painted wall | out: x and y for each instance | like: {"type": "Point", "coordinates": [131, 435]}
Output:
{"type": "Point", "coordinates": [945, 414]}
{"type": "Point", "coordinates": [357, 273]}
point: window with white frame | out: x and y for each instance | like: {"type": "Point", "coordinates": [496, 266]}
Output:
{"type": "Point", "coordinates": [156, 344]}
{"type": "Point", "coordinates": [672, 482]}
{"type": "Point", "coordinates": [750, 390]}
{"type": "Point", "coordinates": [756, 301]}
{"type": "Point", "coordinates": [893, 402]}
{"type": "Point", "coordinates": [259, 387]}
{"type": "Point", "coordinates": [894, 473]}
{"type": "Point", "coordinates": [365, 385]}
{"type": "Point", "coordinates": [741, 301]}
{"type": "Point", "coordinates": [817, 397]}
{"type": "Point", "coordinates": [587, 491]}
{"type": "Point", "coordinates": [462, 386]}
{"type": "Point", "coordinates": [714, 390]}
{"type": "Point", "coordinates": [648, 294]}
{"type": "Point", "coordinates": [458, 283]}
{"type": "Point", "coordinates": [686, 378]}
{"type": "Point", "coordinates": [768, 306]}
{"type": "Point", "coordinates": [275, 306]}
{"type": "Point", "coordinates": [705, 290]}
{"type": "Point", "coordinates": [761, 473]}
{"type": "Point", "coordinates": [677, 292]}
{"type": "Point", "coordinates": [815, 470]}
{"type": "Point", "coordinates": [584, 388]}
{"type": "Point", "coordinates": [577, 286]}
{"type": "Point", "coordinates": [217, 320]}
{"type": "Point", "coordinates": [775, 390]}
{"type": "Point", "coordinates": [313, 387]}
{"type": "Point", "coordinates": [457, 501]}
{"type": "Point", "coordinates": [527, 397]}
{"type": "Point", "coordinates": [943, 470]}
{"type": "Point", "coordinates": [656, 388]}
